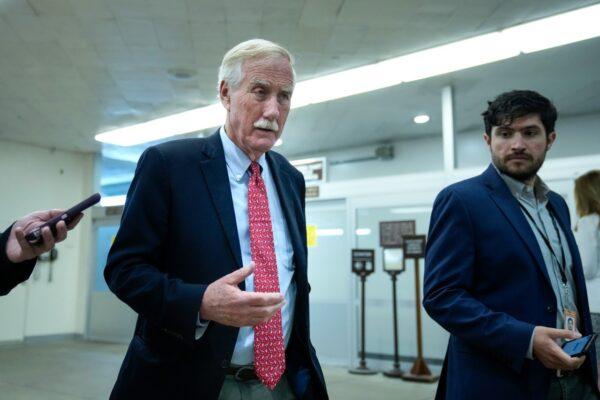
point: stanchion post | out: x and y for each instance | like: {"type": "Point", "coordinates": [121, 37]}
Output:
{"type": "Point", "coordinates": [393, 264]}
{"type": "Point", "coordinates": [414, 247]}
{"type": "Point", "coordinates": [363, 264]}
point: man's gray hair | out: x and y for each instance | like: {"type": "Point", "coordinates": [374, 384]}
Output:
{"type": "Point", "coordinates": [230, 70]}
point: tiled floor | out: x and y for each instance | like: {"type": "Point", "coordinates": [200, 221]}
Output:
{"type": "Point", "coordinates": [77, 370]}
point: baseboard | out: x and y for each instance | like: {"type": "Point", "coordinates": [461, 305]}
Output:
{"type": "Point", "coordinates": [407, 359]}
{"type": "Point", "coordinates": [52, 338]}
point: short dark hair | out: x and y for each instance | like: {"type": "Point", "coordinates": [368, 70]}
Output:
{"type": "Point", "coordinates": [515, 104]}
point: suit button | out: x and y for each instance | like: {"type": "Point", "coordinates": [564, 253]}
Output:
{"type": "Point", "coordinates": [550, 309]}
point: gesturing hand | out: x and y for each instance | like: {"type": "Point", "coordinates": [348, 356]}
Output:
{"type": "Point", "coordinates": [225, 303]}
{"type": "Point", "coordinates": [18, 249]}
{"type": "Point", "coordinates": [549, 353]}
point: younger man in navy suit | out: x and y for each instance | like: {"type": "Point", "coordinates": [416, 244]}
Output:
{"type": "Point", "coordinates": [503, 273]}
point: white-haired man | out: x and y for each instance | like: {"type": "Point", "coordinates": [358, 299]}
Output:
{"type": "Point", "coordinates": [196, 212]}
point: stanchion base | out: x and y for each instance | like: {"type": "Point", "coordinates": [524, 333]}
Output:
{"type": "Point", "coordinates": [420, 378]}
{"type": "Point", "coordinates": [362, 371]}
{"type": "Point", "coordinates": [420, 373]}
{"type": "Point", "coordinates": [394, 373]}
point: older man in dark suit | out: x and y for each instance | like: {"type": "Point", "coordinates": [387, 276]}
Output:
{"type": "Point", "coordinates": [197, 211]}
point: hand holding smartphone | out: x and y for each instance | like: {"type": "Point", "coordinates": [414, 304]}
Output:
{"type": "Point", "coordinates": [35, 237]}
{"type": "Point", "coordinates": [578, 347]}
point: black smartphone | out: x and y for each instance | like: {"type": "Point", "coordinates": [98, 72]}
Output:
{"type": "Point", "coordinates": [578, 347]}
{"type": "Point", "coordinates": [35, 236]}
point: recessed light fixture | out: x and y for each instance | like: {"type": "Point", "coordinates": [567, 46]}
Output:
{"type": "Point", "coordinates": [421, 119]}
{"type": "Point", "coordinates": [545, 33]}
{"type": "Point", "coordinates": [181, 73]}
{"type": "Point", "coordinates": [279, 142]}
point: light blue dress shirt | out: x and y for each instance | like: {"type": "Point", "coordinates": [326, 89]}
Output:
{"type": "Point", "coordinates": [238, 165]}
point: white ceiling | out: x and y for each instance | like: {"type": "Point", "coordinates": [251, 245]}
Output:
{"type": "Point", "coordinates": [72, 68]}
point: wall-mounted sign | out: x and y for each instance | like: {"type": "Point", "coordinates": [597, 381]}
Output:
{"type": "Point", "coordinates": [414, 246]}
{"type": "Point", "coordinates": [114, 210]}
{"type": "Point", "coordinates": [391, 232]}
{"type": "Point", "coordinates": [313, 169]}
{"type": "Point", "coordinates": [363, 261]}
{"type": "Point", "coordinates": [312, 192]}
{"type": "Point", "coordinates": [311, 235]}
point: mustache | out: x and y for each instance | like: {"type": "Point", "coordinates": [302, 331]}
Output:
{"type": "Point", "coordinates": [266, 124]}
{"type": "Point", "coordinates": [518, 156]}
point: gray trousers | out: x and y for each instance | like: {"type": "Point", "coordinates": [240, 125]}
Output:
{"type": "Point", "coordinates": [596, 328]}
{"type": "Point", "coordinates": [254, 390]}
{"type": "Point", "coordinates": [572, 387]}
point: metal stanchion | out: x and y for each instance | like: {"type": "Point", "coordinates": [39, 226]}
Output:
{"type": "Point", "coordinates": [363, 264]}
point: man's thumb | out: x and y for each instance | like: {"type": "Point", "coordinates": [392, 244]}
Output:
{"type": "Point", "coordinates": [239, 275]}
{"type": "Point", "coordinates": [563, 334]}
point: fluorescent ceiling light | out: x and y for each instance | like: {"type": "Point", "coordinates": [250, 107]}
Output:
{"type": "Point", "coordinates": [278, 142]}
{"type": "Point", "coordinates": [363, 231]}
{"type": "Point", "coordinates": [305, 161]}
{"type": "Point", "coordinates": [558, 30]}
{"type": "Point", "coordinates": [330, 232]}
{"type": "Point", "coordinates": [176, 124]}
{"type": "Point", "coordinates": [116, 179]}
{"type": "Point", "coordinates": [455, 56]}
{"type": "Point", "coordinates": [109, 201]}
{"type": "Point", "coordinates": [421, 119]}
{"type": "Point", "coordinates": [545, 33]}
{"type": "Point", "coordinates": [410, 210]}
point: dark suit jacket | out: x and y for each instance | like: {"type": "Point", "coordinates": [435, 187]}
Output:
{"type": "Point", "coordinates": [487, 284]}
{"type": "Point", "coordinates": [12, 274]}
{"type": "Point", "coordinates": [178, 234]}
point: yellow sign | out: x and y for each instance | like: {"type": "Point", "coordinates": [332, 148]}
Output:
{"type": "Point", "coordinates": [311, 235]}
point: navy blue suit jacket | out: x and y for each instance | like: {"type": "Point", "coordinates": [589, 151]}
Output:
{"type": "Point", "coordinates": [487, 284]}
{"type": "Point", "coordinates": [178, 234]}
{"type": "Point", "coordinates": [12, 274]}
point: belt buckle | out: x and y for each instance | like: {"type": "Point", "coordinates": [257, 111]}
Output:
{"type": "Point", "coordinates": [237, 375]}
{"type": "Point", "coordinates": [568, 373]}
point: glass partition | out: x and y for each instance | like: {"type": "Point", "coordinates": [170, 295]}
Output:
{"type": "Point", "coordinates": [379, 325]}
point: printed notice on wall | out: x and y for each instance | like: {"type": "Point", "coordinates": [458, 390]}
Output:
{"type": "Point", "coordinates": [311, 235]}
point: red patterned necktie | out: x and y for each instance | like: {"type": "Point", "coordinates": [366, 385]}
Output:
{"type": "Point", "coordinates": [269, 351]}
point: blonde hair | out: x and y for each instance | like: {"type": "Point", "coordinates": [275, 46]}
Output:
{"type": "Point", "coordinates": [230, 70]}
{"type": "Point", "coordinates": [587, 193]}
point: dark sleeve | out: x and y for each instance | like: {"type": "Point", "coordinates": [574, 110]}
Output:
{"type": "Point", "coordinates": [303, 202]}
{"type": "Point", "coordinates": [12, 274]}
{"type": "Point", "coordinates": [448, 283]}
{"type": "Point", "coordinates": [135, 269]}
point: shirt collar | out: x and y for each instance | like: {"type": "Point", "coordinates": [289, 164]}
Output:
{"type": "Point", "coordinates": [538, 192]}
{"type": "Point", "coordinates": [237, 161]}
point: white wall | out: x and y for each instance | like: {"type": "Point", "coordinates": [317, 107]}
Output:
{"type": "Point", "coordinates": [35, 178]}
{"type": "Point", "coordinates": [577, 136]}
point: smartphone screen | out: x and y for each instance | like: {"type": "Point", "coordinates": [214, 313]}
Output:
{"type": "Point", "coordinates": [578, 346]}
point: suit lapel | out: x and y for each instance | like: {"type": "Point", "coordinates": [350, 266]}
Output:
{"type": "Point", "coordinates": [214, 171]}
{"type": "Point", "coordinates": [562, 222]}
{"type": "Point", "coordinates": [285, 190]}
{"type": "Point", "coordinates": [509, 206]}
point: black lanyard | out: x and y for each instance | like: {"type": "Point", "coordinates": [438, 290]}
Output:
{"type": "Point", "coordinates": [562, 266]}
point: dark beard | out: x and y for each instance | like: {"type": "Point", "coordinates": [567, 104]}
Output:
{"type": "Point", "coordinates": [522, 175]}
